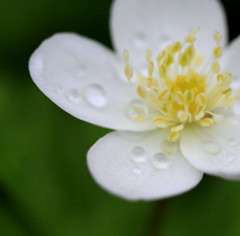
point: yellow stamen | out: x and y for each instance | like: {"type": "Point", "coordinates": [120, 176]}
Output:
{"type": "Point", "coordinates": [148, 55]}
{"type": "Point", "coordinates": [217, 52]}
{"type": "Point", "coordinates": [126, 56]}
{"type": "Point", "coordinates": [180, 88]}
{"type": "Point", "coordinates": [217, 37]}
{"type": "Point", "coordinates": [141, 92]}
{"type": "Point", "coordinates": [150, 68]}
{"type": "Point", "coordinates": [206, 122]}
{"type": "Point", "coordinates": [177, 128]}
{"type": "Point", "coordinates": [216, 67]}
{"type": "Point", "coordinates": [183, 116]}
{"type": "Point", "coordinates": [173, 137]}
{"type": "Point", "coordinates": [128, 72]}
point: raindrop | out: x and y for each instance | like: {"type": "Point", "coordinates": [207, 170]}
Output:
{"type": "Point", "coordinates": [81, 71]}
{"type": "Point", "coordinates": [160, 161]}
{"type": "Point", "coordinates": [230, 157]}
{"type": "Point", "coordinates": [73, 95]}
{"type": "Point", "coordinates": [136, 171]}
{"type": "Point", "coordinates": [138, 154]}
{"type": "Point", "coordinates": [95, 96]}
{"type": "Point", "coordinates": [136, 108]}
{"type": "Point", "coordinates": [211, 147]}
{"type": "Point", "coordinates": [233, 142]}
{"type": "Point", "coordinates": [140, 40]}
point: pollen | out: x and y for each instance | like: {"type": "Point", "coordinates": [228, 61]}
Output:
{"type": "Point", "coordinates": [182, 86]}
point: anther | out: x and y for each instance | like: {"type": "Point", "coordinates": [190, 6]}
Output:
{"type": "Point", "coordinates": [176, 47]}
{"type": "Point", "coordinates": [217, 52]}
{"type": "Point", "coordinates": [206, 122]}
{"type": "Point", "coordinates": [183, 116]}
{"type": "Point", "coordinates": [162, 71]}
{"type": "Point", "coordinates": [141, 92]}
{"type": "Point", "coordinates": [189, 96]}
{"type": "Point", "coordinates": [217, 37]}
{"type": "Point", "coordinates": [148, 55]}
{"type": "Point", "coordinates": [126, 56]}
{"type": "Point", "coordinates": [216, 67]}
{"type": "Point", "coordinates": [173, 137]}
{"type": "Point", "coordinates": [201, 99]}
{"type": "Point", "coordinates": [177, 128]}
{"type": "Point", "coordinates": [128, 72]}
{"type": "Point", "coordinates": [150, 68]}
{"type": "Point", "coordinates": [179, 88]}
{"type": "Point", "coordinates": [161, 55]}
{"type": "Point", "coordinates": [190, 38]}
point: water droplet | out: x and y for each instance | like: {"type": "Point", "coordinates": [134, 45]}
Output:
{"type": "Point", "coordinates": [230, 157]}
{"type": "Point", "coordinates": [160, 161]}
{"type": "Point", "coordinates": [136, 108]}
{"type": "Point", "coordinates": [236, 108]}
{"type": "Point", "coordinates": [136, 171]}
{"type": "Point", "coordinates": [140, 40]}
{"type": "Point", "coordinates": [138, 154]}
{"type": "Point", "coordinates": [81, 71]}
{"type": "Point", "coordinates": [73, 95]}
{"type": "Point", "coordinates": [233, 142]}
{"type": "Point", "coordinates": [95, 96]}
{"type": "Point", "coordinates": [211, 147]}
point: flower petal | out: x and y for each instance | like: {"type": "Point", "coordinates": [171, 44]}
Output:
{"type": "Point", "coordinates": [231, 63]}
{"type": "Point", "coordinates": [138, 25]}
{"type": "Point", "coordinates": [83, 78]}
{"type": "Point", "coordinates": [214, 150]}
{"type": "Point", "coordinates": [133, 166]}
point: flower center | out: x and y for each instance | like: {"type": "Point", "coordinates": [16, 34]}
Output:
{"type": "Point", "coordinates": [181, 87]}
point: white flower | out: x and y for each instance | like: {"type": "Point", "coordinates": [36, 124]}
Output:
{"type": "Point", "coordinates": [174, 112]}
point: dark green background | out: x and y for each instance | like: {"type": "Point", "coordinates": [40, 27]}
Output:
{"type": "Point", "coordinates": [45, 186]}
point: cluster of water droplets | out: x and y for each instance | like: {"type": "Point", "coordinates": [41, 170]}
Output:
{"type": "Point", "coordinates": [140, 157]}
{"type": "Point", "coordinates": [93, 94]}
{"type": "Point", "coordinates": [226, 154]}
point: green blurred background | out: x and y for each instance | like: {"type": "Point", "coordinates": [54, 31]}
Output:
{"type": "Point", "coordinates": [45, 186]}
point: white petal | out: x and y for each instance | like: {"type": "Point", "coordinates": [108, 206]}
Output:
{"type": "Point", "coordinates": [149, 24]}
{"type": "Point", "coordinates": [133, 166]}
{"type": "Point", "coordinates": [214, 150]}
{"type": "Point", "coordinates": [231, 62]}
{"type": "Point", "coordinates": [83, 78]}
